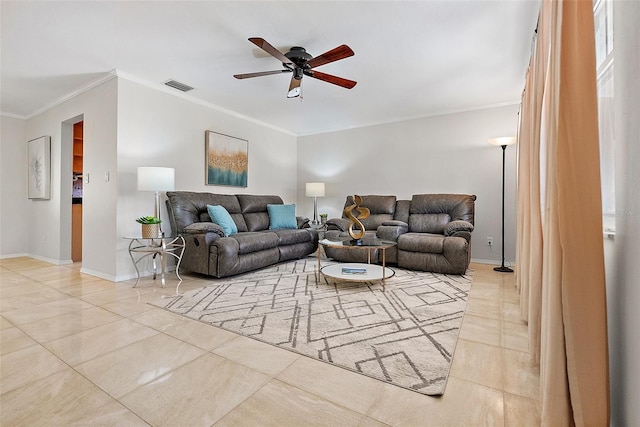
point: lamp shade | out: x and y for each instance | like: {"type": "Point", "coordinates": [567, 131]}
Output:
{"type": "Point", "coordinates": [503, 140]}
{"type": "Point", "coordinates": [156, 179]}
{"type": "Point", "coordinates": [315, 189]}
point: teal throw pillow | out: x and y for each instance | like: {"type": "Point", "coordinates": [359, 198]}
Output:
{"type": "Point", "coordinates": [282, 216]}
{"type": "Point", "coordinates": [220, 216]}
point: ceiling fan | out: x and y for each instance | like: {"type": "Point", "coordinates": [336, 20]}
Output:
{"type": "Point", "coordinates": [301, 63]}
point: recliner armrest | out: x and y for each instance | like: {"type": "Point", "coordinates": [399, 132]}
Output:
{"type": "Point", "coordinates": [340, 224]}
{"type": "Point", "coordinates": [457, 226]}
{"type": "Point", "coordinates": [303, 222]}
{"type": "Point", "coordinates": [203, 228]}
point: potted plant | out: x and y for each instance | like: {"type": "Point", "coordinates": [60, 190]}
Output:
{"type": "Point", "coordinates": [323, 218]}
{"type": "Point", "coordinates": [150, 226]}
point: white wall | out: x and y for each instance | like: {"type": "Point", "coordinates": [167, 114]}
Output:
{"type": "Point", "coordinates": [623, 270]}
{"type": "Point", "coordinates": [126, 125]}
{"type": "Point", "coordinates": [13, 187]}
{"type": "Point", "coordinates": [159, 129]}
{"type": "Point", "coordinates": [49, 221]}
{"type": "Point", "coordinates": [442, 154]}
{"type": "Point", "coordinates": [129, 125]}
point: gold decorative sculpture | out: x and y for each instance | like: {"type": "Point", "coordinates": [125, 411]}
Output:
{"type": "Point", "coordinates": [363, 213]}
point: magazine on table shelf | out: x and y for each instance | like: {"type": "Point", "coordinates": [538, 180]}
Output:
{"type": "Point", "coordinates": [354, 270]}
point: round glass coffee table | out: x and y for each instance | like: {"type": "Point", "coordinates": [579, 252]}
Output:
{"type": "Point", "coordinates": [357, 272]}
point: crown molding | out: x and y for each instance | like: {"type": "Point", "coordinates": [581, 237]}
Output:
{"type": "Point", "coordinates": [417, 117]}
{"type": "Point", "coordinates": [168, 90]}
{"type": "Point", "coordinates": [115, 73]}
{"type": "Point", "coordinates": [92, 84]}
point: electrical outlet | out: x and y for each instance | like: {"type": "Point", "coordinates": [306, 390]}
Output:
{"type": "Point", "coordinates": [490, 241]}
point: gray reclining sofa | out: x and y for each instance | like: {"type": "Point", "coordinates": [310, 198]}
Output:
{"type": "Point", "coordinates": [432, 231]}
{"type": "Point", "coordinates": [209, 251]}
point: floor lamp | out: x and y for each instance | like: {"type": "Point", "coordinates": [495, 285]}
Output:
{"type": "Point", "coordinates": [156, 179]}
{"type": "Point", "coordinates": [503, 142]}
{"type": "Point", "coordinates": [315, 190]}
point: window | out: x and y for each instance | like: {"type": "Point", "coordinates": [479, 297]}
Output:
{"type": "Point", "coordinates": [603, 23]}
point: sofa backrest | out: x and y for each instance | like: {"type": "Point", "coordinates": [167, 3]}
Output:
{"type": "Point", "coordinates": [381, 208]}
{"type": "Point", "coordinates": [402, 211]}
{"type": "Point", "coordinates": [254, 210]}
{"type": "Point", "coordinates": [249, 212]}
{"type": "Point", "coordinates": [429, 213]}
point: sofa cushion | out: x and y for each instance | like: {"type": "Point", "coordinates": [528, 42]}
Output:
{"type": "Point", "coordinates": [292, 237]}
{"type": "Point", "coordinates": [252, 241]}
{"type": "Point", "coordinates": [220, 216]}
{"type": "Point", "coordinates": [428, 223]}
{"type": "Point", "coordinates": [282, 216]}
{"type": "Point", "coordinates": [421, 242]}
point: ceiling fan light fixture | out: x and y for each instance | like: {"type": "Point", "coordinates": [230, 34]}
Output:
{"type": "Point", "coordinates": [294, 93]}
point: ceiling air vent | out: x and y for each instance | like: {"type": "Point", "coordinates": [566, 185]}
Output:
{"type": "Point", "coordinates": [177, 85]}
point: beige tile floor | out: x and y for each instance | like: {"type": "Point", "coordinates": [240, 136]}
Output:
{"type": "Point", "coordinates": [78, 350]}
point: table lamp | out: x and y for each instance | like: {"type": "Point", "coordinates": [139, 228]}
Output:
{"type": "Point", "coordinates": [156, 179]}
{"type": "Point", "coordinates": [315, 190]}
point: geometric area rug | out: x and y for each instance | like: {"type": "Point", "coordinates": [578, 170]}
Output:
{"type": "Point", "coordinates": [404, 336]}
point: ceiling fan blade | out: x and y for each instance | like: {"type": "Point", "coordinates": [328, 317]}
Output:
{"type": "Point", "coordinates": [264, 45]}
{"type": "Point", "coordinates": [346, 83]}
{"type": "Point", "coordinates": [336, 54]}
{"type": "Point", "coordinates": [294, 87]}
{"type": "Point", "coordinates": [260, 74]}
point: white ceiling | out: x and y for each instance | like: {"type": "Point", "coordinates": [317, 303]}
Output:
{"type": "Point", "coordinates": [412, 58]}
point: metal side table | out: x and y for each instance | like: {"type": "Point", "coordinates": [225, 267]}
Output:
{"type": "Point", "coordinates": [161, 247]}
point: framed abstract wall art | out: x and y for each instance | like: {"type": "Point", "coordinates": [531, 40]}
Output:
{"type": "Point", "coordinates": [227, 160]}
{"type": "Point", "coordinates": [39, 157]}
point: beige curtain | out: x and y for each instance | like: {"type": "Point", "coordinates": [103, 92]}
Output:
{"type": "Point", "coordinates": [529, 244]}
{"type": "Point", "coordinates": [560, 246]}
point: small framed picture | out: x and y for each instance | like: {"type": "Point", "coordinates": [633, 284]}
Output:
{"type": "Point", "coordinates": [227, 160]}
{"type": "Point", "coordinates": [39, 158]}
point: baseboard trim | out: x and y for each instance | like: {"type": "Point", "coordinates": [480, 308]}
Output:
{"type": "Point", "coordinates": [51, 260]}
{"type": "Point", "coordinates": [14, 255]}
{"type": "Point", "coordinates": [491, 261]}
{"type": "Point", "coordinates": [98, 274]}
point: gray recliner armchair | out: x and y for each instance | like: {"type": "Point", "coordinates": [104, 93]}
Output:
{"type": "Point", "coordinates": [382, 210]}
{"type": "Point", "coordinates": [432, 231]}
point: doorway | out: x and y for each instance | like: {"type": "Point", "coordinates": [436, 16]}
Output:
{"type": "Point", "coordinates": [77, 191]}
